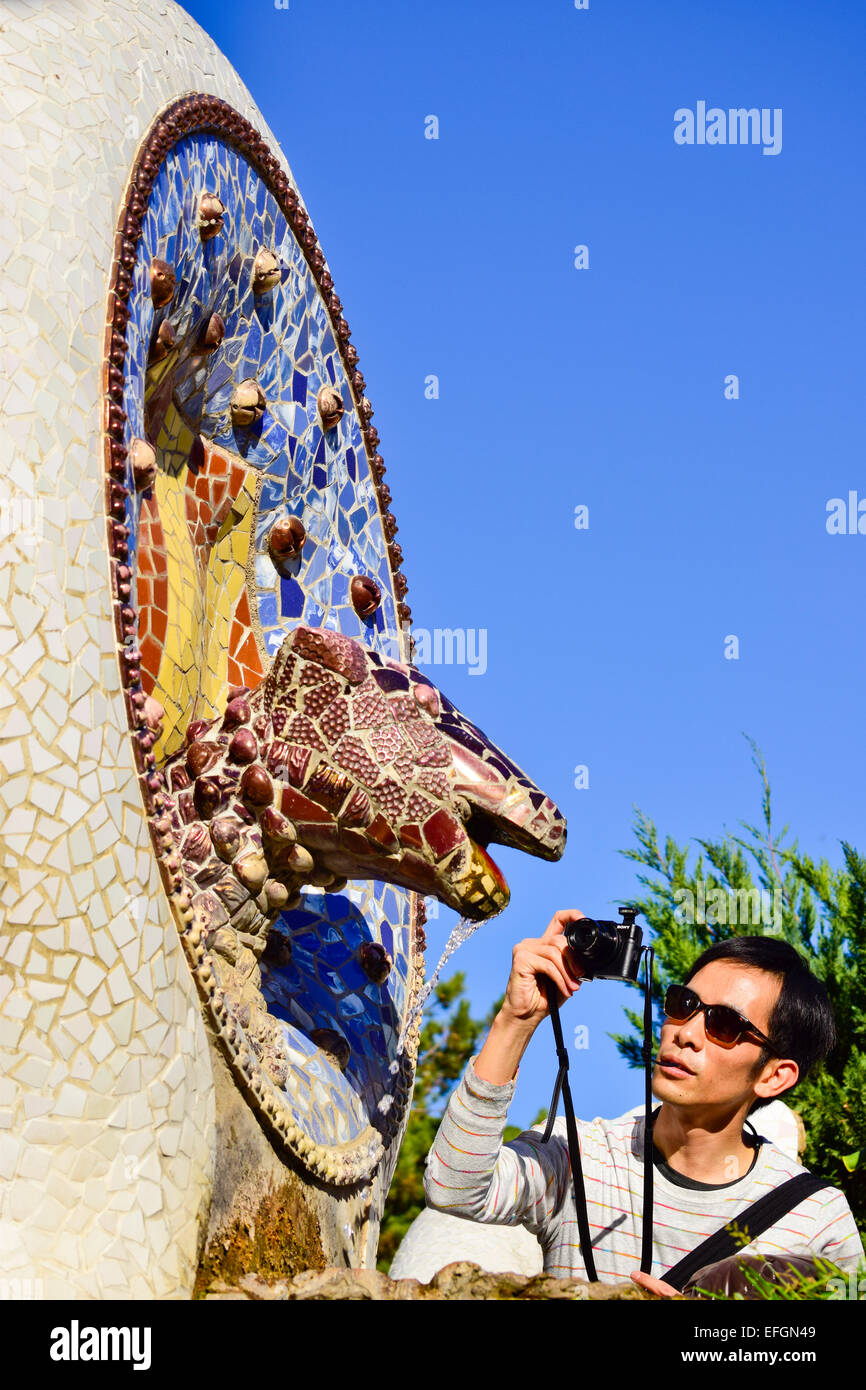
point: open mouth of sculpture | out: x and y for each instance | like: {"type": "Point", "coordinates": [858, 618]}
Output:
{"type": "Point", "coordinates": [481, 888]}
{"type": "Point", "coordinates": [485, 829]}
{"type": "Point", "coordinates": [488, 863]}
{"type": "Point", "coordinates": [502, 810]}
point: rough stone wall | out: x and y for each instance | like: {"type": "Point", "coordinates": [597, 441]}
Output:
{"type": "Point", "coordinates": [460, 1282]}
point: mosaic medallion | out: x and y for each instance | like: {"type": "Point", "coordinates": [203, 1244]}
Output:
{"type": "Point", "coordinates": [304, 782]}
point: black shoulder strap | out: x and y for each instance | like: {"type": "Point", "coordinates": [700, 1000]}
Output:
{"type": "Point", "coordinates": [759, 1217]}
{"type": "Point", "coordinates": [562, 1086]}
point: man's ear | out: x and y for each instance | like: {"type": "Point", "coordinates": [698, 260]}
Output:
{"type": "Point", "coordinates": [777, 1076]}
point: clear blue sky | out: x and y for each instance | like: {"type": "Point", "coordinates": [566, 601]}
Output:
{"type": "Point", "coordinates": [605, 387]}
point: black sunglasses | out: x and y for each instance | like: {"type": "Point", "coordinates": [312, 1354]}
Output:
{"type": "Point", "coordinates": [722, 1023]}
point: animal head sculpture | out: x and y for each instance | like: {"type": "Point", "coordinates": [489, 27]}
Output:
{"type": "Point", "coordinates": [345, 765]}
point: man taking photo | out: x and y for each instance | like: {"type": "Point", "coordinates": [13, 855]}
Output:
{"type": "Point", "coordinates": [748, 1021]}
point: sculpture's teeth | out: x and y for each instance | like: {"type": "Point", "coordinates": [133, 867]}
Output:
{"type": "Point", "coordinates": [481, 887]}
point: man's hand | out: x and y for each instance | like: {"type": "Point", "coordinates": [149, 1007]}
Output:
{"type": "Point", "coordinates": [538, 958]}
{"type": "Point", "coordinates": [653, 1285]}
{"type": "Point", "coordinates": [525, 1004]}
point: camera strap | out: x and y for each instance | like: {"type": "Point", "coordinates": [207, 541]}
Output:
{"type": "Point", "coordinates": [646, 1243]}
{"type": "Point", "coordinates": [751, 1223]}
{"type": "Point", "coordinates": [562, 1088]}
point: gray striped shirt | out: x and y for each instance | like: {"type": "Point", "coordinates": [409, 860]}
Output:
{"type": "Point", "coordinates": [471, 1173]}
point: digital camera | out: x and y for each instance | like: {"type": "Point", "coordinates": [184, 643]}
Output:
{"type": "Point", "coordinates": [607, 950]}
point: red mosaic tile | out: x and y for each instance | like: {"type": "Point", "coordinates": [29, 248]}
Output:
{"type": "Point", "coordinates": [443, 833]}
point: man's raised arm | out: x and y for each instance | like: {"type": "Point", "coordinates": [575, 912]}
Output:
{"type": "Point", "coordinates": [469, 1171]}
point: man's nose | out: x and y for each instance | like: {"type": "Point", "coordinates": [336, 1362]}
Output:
{"type": "Point", "coordinates": [691, 1032]}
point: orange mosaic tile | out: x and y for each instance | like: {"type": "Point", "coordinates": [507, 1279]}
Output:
{"type": "Point", "coordinates": [206, 494]}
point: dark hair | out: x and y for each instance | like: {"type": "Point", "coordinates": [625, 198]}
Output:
{"type": "Point", "coordinates": [801, 1024]}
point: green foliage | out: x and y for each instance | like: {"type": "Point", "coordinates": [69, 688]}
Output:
{"type": "Point", "coordinates": [448, 1039]}
{"type": "Point", "coordinates": [791, 1286]}
{"type": "Point", "coordinates": [821, 911]}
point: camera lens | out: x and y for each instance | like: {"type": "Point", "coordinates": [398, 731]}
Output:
{"type": "Point", "coordinates": [594, 942]}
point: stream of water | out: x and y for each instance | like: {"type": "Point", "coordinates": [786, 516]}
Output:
{"type": "Point", "coordinates": [461, 933]}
